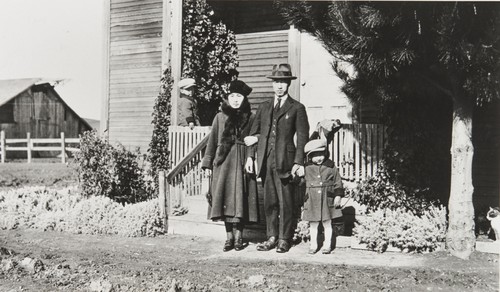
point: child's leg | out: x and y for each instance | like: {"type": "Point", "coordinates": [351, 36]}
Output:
{"type": "Point", "coordinates": [327, 226]}
{"type": "Point", "coordinates": [313, 232]}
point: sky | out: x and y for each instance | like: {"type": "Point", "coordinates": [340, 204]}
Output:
{"type": "Point", "coordinates": [56, 39]}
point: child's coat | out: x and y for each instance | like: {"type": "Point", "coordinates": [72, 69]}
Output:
{"type": "Point", "coordinates": [323, 183]}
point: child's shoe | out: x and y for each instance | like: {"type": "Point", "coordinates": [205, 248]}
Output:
{"type": "Point", "coordinates": [312, 250]}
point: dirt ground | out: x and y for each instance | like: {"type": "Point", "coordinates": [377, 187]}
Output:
{"type": "Point", "coordinates": [51, 261]}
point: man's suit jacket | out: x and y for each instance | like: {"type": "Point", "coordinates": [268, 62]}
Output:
{"type": "Point", "coordinates": [292, 119]}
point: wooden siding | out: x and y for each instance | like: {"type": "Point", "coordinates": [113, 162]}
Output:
{"type": "Point", "coordinates": [135, 60]}
{"type": "Point", "coordinates": [257, 53]}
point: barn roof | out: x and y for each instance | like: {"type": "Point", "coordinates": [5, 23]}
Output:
{"type": "Point", "coordinates": [11, 88]}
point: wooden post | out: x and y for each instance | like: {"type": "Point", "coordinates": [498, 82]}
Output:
{"type": "Point", "coordinates": [162, 198]}
{"type": "Point", "coordinates": [63, 148]}
{"type": "Point", "coordinates": [2, 145]}
{"type": "Point", "coordinates": [172, 48]}
{"type": "Point", "coordinates": [28, 146]}
{"type": "Point", "coordinates": [106, 29]}
{"type": "Point", "coordinates": [294, 46]}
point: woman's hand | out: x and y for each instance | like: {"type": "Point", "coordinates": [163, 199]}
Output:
{"type": "Point", "coordinates": [208, 172]}
{"type": "Point", "coordinates": [249, 165]}
{"type": "Point", "coordinates": [250, 140]}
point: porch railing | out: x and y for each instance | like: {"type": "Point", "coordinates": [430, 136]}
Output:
{"type": "Point", "coordinates": [357, 150]}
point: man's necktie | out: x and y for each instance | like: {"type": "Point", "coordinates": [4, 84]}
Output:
{"type": "Point", "coordinates": [277, 106]}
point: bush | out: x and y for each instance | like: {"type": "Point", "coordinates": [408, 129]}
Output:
{"type": "Point", "coordinates": [403, 229]}
{"type": "Point", "coordinates": [379, 192]}
{"type": "Point", "coordinates": [158, 152]}
{"type": "Point", "coordinates": [65, 210]}
{"type": "Point", "coordinates": [104, 170]}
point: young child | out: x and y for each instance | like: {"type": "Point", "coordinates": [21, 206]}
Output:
{"type": "Point", "coordinates": [323, 192]}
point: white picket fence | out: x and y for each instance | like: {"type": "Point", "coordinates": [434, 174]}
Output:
{"type": "Point", "coordinates": [357, 150]}
{"type": "Point", "coordinates": [29, 145]}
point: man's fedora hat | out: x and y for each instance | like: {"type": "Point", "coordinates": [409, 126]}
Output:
{"type": "Point", "coordinates": [281, 71]}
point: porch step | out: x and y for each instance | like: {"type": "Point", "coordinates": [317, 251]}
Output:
{"type": "Point", "coordinates": [195, 223]}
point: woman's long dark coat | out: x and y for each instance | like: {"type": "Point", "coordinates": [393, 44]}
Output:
{"type": "Point", "coordinates": [234, 192]}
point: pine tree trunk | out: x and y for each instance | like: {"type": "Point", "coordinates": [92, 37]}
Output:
{"type": "Point", "coordinates": [460, 238]}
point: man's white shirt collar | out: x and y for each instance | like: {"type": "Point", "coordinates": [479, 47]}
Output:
{"type": "Point", "coordinates": [283, 99]}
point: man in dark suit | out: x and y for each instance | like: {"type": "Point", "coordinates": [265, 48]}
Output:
{"type": "Point", "coordinates": [278, 159]}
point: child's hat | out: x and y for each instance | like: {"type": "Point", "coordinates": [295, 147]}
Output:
{"type": "Point", "coordinates": [315, 146]}
{"type": "Point", "coordinates": [186, 83]}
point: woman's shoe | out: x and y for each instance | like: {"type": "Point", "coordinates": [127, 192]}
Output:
{"type": "Point", "coordinates": [326, 250]}
{"type": "Point", "coordinates": [228, 245]}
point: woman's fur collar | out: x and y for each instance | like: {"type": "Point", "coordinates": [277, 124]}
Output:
{"type": "Point", "coordinates": [237, 119]}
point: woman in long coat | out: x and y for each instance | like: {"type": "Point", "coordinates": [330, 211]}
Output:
{"type": "Point", "coordinates": [233, 192]}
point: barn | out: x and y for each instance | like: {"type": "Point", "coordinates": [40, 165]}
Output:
{"type": "Point", "coordinates": [33, 106]}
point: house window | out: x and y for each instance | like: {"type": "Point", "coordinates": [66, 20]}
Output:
{"type": "Point", "coordinates": [7, 113]}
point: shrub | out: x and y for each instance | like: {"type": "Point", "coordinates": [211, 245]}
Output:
{"type": "Point", "coordinates": [381, 192]}
{"type": "Point", "coordinates": [65, 210]}
{"type": "Point", "coordinates": [158, 152]}
{"type": "Point", "coordinates": [104, 170]}
{"type": "Point", "coordinates": [403, 229]}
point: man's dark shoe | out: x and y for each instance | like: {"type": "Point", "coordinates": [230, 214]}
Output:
{"type": "Point", "coordinates": [267, 245]}
{"type": "Point", "coordinates": [228, 245]}
{"type": "Point", "coordinates": [283, 246]}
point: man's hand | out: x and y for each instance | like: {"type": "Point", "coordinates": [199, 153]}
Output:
{"type": "Point", "coordinates": [250, 140]}
{"type": "Point", "coordinates": [300, 172]}
{"type": "Point", "coordinates": [249, 165]}
{"type": "Point", "coordinates": [191, 125]}
{"type": "Point", "coordinates": [297, 170]}
{"type": "Point", "coordinates": [336, 202]}
{"type": "Point", "coordinates": [208, 172]}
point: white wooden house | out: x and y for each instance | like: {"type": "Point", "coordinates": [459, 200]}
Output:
{"type": "Point", "coordinates": [143, 36]}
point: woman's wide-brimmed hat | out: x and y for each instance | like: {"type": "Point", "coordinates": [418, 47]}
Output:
{"type": "Point", "coordinates": [282, 71]}
{"type": "Point", "coordinates": [238, 86]}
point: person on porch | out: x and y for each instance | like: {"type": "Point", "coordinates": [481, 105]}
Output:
{"type": "Point", "coordinates": [187, 104]}
{"type": "Point", "coordinates": [233, 195]}
{"type": "Point", "coordinates": [278, 159]}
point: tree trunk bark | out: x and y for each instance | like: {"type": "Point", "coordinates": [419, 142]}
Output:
{"type": "Point", "coordinates": [460, 238]}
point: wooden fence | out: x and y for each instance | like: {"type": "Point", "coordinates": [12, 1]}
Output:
{"type": "Point", "coordinates": [29, 145]}
{"type": "Point", "coordinates": [356, 150]}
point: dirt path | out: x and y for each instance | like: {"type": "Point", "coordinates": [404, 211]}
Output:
{"type": "Point", "coordinates": [172, 263]}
